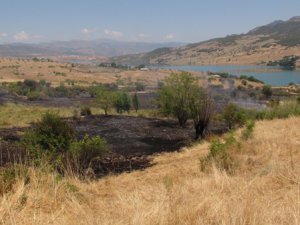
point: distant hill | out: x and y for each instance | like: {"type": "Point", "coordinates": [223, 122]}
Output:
{"type": "Point", "coordinates": [101, 47]}
{"type": "Point", "coordinates": [264, 43]}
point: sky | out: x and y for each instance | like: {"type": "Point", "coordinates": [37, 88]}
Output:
{"type": "Point", "coordinates": [136, 20]}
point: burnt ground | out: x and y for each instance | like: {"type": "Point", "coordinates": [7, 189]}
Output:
{"type": "Point", "coordinates": [126, 135]}
{"type": "Point", "coordinates": [129, 135]}
{"type": "Point", "coordinates": [130, 139]}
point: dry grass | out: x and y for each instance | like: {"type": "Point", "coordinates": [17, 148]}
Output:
{"type": "Point", "coordinates": [13, 70]}
{"type": "Point", "coordinates": [17, 115]}
{"type": "Point", "coordinates": [264, 190]}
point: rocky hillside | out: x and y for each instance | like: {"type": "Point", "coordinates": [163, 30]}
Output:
{"type": "Point", "coordinates": [269, 42]}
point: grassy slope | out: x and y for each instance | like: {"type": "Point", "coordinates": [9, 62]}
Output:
{"type": "Point", "coordinates": [264, 190]}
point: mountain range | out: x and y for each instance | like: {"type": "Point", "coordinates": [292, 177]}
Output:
{"type": "Point", "coordinates": [100, 47]}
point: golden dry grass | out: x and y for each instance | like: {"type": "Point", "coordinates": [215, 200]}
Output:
{"type": "Point", "coordinates": [264, 190]}
{"type": "Point", "coordinates": [13, 70]}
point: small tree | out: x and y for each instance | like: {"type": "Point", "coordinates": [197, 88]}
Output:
{"type": "Point", "coordinates": [135, 102]}
{"type": "Point", "coordinates": [182, 97]}
{"type": "Point", "coordinates": [122, 102]}
{"type": "Point", "coordinates": [233, 116]}
{"type": "Point", "coordinates": [202, 110]}
{"type": "Point", "coordinates": [105, 99]}
{"type": "Point", "coordinates": [174, 95]}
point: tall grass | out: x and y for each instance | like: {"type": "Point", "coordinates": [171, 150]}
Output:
{"type": "Point", "coordinates": [263, 190]}
{"type": "Point", "coordinates": [283, 110]}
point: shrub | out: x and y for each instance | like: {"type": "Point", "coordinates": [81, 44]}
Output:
{"type": "Point", "coordinates": [244, 82]}
{"type": "Point", "coordinates": [85, 111]}
{"type": "Point", "coordinates": [221, 154]}
{"type": "Point", "coordinates": [34, 95]}
{"type": "Point", "coordinates": [52, 142]}
{"type": "Point", "coordinates": [51, 136]}
{"type": "Point", "coordinates": [267, 91]}
{"type": "Point", "coordinates": [86, 151]}
{"type": "Point", "coordinates": [122, 102]}
{"type": "Point", "coordinates": [233, 116]}
{"type": "Point", "coordinates": [248, 130]}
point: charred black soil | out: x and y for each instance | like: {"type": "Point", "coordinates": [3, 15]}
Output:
{"type": "Point", "coordinates": [129, 135]}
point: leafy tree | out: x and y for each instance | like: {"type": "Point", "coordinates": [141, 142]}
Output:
{"type": "Point", "coordinates": [183, 98]}
{"type": "Point", "coordinates": [122, 102]}
{"type": "Point", "coordinates": [135, 102]}
{"type": "Point", "coordinates": [105, 98]}
{"type": "Point", "coordinates": [174, 96]}
{"type": "Point", "coordinates": [233, 116]}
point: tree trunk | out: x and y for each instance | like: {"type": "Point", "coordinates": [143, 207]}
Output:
{"type": "Point", "coordinates": [200, 130]}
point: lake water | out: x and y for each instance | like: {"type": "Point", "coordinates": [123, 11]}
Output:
{"type": "Point", "coordinates": [269, 75]}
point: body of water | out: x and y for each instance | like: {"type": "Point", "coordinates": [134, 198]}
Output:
{"type": "Point", "coordinates": [270, 75]}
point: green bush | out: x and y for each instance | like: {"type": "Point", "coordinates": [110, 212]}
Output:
{"type": "Point", "coordinates": [34, 95]}
{"type": "Point", "coordinates": [233, 116]}
{"type": "Point", "coordinates": [52, 142]}
{"type": "Point", "coordinates": [221, 154]}
{"type": "Point", "coordinates": [122, 102]}
{"type": "Point", "coordinates": [84, 152]}
{"type": "Point", "coordinates": [51, 135]}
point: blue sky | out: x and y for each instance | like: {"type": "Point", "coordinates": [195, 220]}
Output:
{"type": "Point", "coordinates": [136, 20]}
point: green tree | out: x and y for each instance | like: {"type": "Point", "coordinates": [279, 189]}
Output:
{"type": "Point", "coordinates": [174, 95]}
{"type": "Point", "coordinates": [233, 116]}
{"type": "Point", "coordinates": [122, 102]}
{"type": "Point", "coordinates": [135, 102]}
{"type": "Point", "coordinates": [183, 98]}
{"type": "Point", "coordinates": [105, 98]}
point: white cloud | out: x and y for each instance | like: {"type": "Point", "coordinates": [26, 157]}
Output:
{"type": "Point", "coordinates": [87, 31]}
{"type": "Point", "coordinates": [169, 37]}
{"type": "Point", "coordinates": [3, 35]}
{"type": "Point", "coordinates": [113, 34]}
{"type": "Point", "coordinates": [21, 36]}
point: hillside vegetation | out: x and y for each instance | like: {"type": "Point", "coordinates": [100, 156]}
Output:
{"type": "Point", "coordinates": [266, 43]}
{"type": "Point", "coordinates": [264, 188]}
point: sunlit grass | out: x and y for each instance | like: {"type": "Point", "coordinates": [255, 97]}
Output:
{"type": "Point", "coordinates": [18, 115]}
